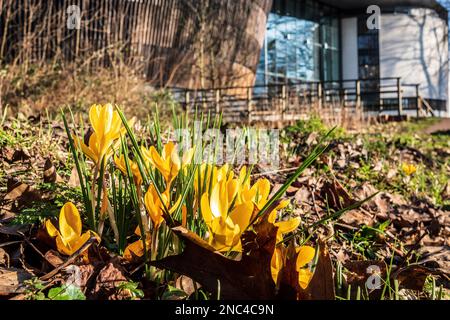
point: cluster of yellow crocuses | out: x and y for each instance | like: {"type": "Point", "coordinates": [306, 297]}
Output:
{"type": "Point", "coordinates": [226, 203]}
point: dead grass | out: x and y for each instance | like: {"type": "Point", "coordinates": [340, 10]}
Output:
{"type": "Point", "coordinates": [46, 88]}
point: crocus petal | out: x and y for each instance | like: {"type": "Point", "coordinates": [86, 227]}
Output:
{"type": "Point", "coordinates": [96, 147]}
{"type": "Point", "coordinates": [51, 229]}
{"type": "Point", "coordinates": [153, 205]}
{"type": "Point", "coordinates": [263, 187]}
{"type": "Point", "coordinates": [219, 200]}
{"type": "Point", "coordinates": [175, 162]}
{"type": "Point", "coordinates": [283, 204]}
{"type": "Point", "coordinates": [241, 214]}
{"type": "Point", "coordinates": [187, 157]}
{"type": "Point", "coordinates": [225, 235]}
{"type": "Point", "coordinates": [69, 222]}
{"type": "Point", "coordinates": [242, 175]}
{"type": "Point", "coordinates": [80, 242]}
{"type": "Point", "coordinates": [222, 172]}
{"type": "Point", "coordinates": [63, 246]}
{"type": "Point", "coordinates": [205, 209]}
{"type": "Point", "coordinates": [137, 231]}
{"type": "Point", "coordinates": [94, 118]}
{"type": "Point", "coordinates": [175, 205]}
{"type": "Point", "coordinates": [305, 255]}
{"type": "Point", "coordinates": [232, 189]}
{"type": "Point", "coordinates": [146, 154]}
{"type": "Point", "coordinates": [272, 217]}
{"type": "Point", "coordinates": [85, 149]}
{"type": "Point", "coordinates": [168, 150]}
{"type": "Point", "coordinates": [304, 277]}
{"type": "Point", "coordinates": [288, 226]}
{"type": "Point", "coordinates": [276, 263]}
{"type": "Point", "coordinates": [120, 163]}
{"type": "Point", "coordinates": [135, 249]}
{"type": "Point", "coordinates": [159, 162]}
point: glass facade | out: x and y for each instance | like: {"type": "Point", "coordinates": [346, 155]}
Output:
{"type": "Point", "coordinates": [369, 63]}
{"type": "Point", "coordinates": [301, 43]}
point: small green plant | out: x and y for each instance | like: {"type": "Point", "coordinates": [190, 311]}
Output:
{"type": "Point", "coordinates": [66, 292]}
{"type": "Point", "coordinates": [366, 239]}
{"type": "Point", "coordinates": [36, 291]}
{"type": "Point", "coordinates": [132, 289]}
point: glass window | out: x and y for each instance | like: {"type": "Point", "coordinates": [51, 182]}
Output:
{"type": "Point", "coordinates": [302, 43]}
{"type": "Point", "coordinates": [369, 62]}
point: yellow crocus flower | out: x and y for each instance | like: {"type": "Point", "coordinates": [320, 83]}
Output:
{"type": "Point", "coordinates": [168, 163]}
{"type": "Point", "coordinates": [409, 169]}
{"type": "Point", "coordinates": [277, 263]}
{"type": "Point", "coordinates": [225, 229]}
{"type": "Point", "coordinates": [155, 206]}
{"type": "Point", "coordinates": [210, 175]}
{"type": "Point", "coordinates": [107, 127]}
{"type": "Point", "coordinates": [305, 254]}
{"type": "Point", "coordinates": [283, 226]}
{"type": "Point", "coordinates": [259, 195]}
{"type": "Point", "coordinates": [120, 163]}
{"type": "Point", "coordinates": [136, 249]}
{"type": "Point", "coordinates": [68, 238]}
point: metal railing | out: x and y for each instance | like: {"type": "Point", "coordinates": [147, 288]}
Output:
{"type": "Point", "coordinates": [293, 101]}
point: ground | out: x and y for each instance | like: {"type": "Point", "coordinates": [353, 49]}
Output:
{"type": "Point", "coordinates": [377, 198]}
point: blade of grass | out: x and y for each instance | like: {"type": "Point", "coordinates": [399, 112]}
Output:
{"type": "Point", "coordinates": [81, 176]}
{"type": "Point", "coordinates": [318, 150]}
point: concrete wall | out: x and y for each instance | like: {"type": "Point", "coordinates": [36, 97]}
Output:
{"type": "Point", "coordinates": [349, 36]}
{"type": "Point", "coordinates": [415, 47]}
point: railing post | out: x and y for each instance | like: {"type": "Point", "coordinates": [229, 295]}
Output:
{"type": "Point", "coordinates": [217, 101]}
{"type": "Point", "coordinates": [187, 99]}
{"type": "Point", "coordinates": [283, 101]}
{"type": "Point", "coordinates": [418, 101]}
{"type": "Point", "coordinates": [358, 94]}
{"type": "Point", "coordinates": [249, 104]}
{"type": "Point", "coordinates": [344, 97]}
{"type": "Point", "coordinates": [319, 95]}
{"type": "Point", "coordinates": [399, 97]}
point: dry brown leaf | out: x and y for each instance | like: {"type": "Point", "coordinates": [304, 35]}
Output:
{"type": "Point", "coordinates": [21, 193]}
{"type": "Point", "coordinates": [187, 285]}
{"type": "Point", "coordinates": [336, 195]}
{"type": "Point", "coordinates": [360, 271]}
{"type": "Point", "coordinates": [74, 180]}
{"type": "Point", "coordinates": [11, 155]}
{"type": "Point", "coordinates": [412, 277]}
{"type": "Point", "coordinates": [11, 281]}
{"type": "Point", "coordinates": [4, 258]}
{"type": "Point", "coordinates": [53, 258]}
{"type": "Point", "coordinates": [357, 217]}
{"type": "Point", "coordinates": [302, 195]}
{"type": "Point", "coordinates": [107, 281]}
{"type": "Point", "coordinates": [50, 174]}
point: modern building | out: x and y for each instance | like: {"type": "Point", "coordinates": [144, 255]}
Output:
{"type": "Point", "coordinates": [385, 52]}
{"type": "Point", "coordinates": [340, 41]}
